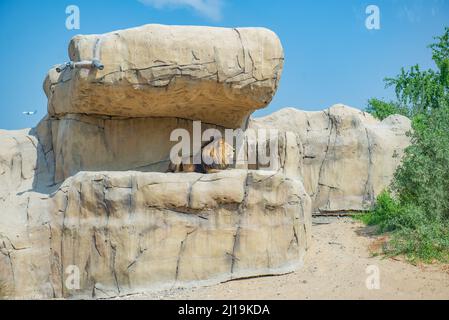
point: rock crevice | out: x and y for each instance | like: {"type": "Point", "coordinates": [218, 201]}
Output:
{"type": "Point", "coordinates": [86, 190]}
{"type": "Point", "coordinates": [349, 157]}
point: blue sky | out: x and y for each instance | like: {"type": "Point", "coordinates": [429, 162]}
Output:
{"type": "Point", "coordinates": [331, 57]}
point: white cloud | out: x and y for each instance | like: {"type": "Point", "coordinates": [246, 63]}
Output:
{"type": "Point", "coordinates": [208, 8]}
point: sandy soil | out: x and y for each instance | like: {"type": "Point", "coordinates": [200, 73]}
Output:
{"type": "Point", "coordinates": [336, 268]}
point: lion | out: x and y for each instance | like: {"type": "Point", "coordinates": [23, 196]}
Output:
{"type": "Point", "coordinates": [218, 152]}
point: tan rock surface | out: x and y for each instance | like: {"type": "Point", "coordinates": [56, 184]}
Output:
{"type": "Point", "coordinates": [338, 266]}
{"type": "Point", "coordinates": [77, 143]}
{"type": "Point", "coordinates": [133, 231]}
{"type": "Point", "coordinates": [86, 188]}
{"type": "Point", "coordinates": [24, 215]}
{"type": "Point", "coordinates": [130, 232]}
{"type": "Point", "coordinates": [349, 156]}
{"type": "Point", "coordinates": [216, 75]}
{"type": "Point", "coordinates": [93, 143]}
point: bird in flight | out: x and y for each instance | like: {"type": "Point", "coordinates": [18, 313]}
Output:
{"type": "Point", "coordinates": [29, 113]}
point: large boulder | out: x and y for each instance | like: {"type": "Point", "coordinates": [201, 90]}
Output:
{"type": "Point", "coordinates": [216, 75]}
{"type": "Point", "coordinates": [349, 156]}
{"type": "Point", "coordinates": [85, 192]}
{"type": "Point", "coordinates": [131, 232]}
{"type": "Point", "coordinates": [25, 180]}
{"type": "Point", "coordinates": [126, 226]}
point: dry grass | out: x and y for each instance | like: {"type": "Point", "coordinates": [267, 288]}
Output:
{"type": "Point", "coordinates": [378, 246]}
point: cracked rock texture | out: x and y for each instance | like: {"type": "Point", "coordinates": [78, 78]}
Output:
{"type": "Point", "coordinates": [24, 215]}
{"type": "Point", "coordinates": [216, 75]}
{"type": "Point", "coordinates": [83, 188]}
{"type": "Point", "coordinates": [77, 143]}
{"type": "Point", "coordinates": [134, 231]}
{"type": "Point", "coordinates": [99, 143]}
{"type": "Point", "coordinates": [349, 156]}
{"type": "Point", "coordinates": [130, 232]}
{"type": "Point", "coordinates": [86, 187]}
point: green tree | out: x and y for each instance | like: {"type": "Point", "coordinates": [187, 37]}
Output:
{"type": "Point", "coordinates": [382, 110]}
{"type": "Point", "coordinates": [416, 210]}
{"type": "Point", "coordinates": [418, 91]}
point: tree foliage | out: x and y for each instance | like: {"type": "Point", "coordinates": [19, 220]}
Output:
{"type": "Point", "coordinates": [382, 110]}
{"type": "Point", "coordinates": [418, 91]}
{"type": "Point", "coordinates": [416, 209]}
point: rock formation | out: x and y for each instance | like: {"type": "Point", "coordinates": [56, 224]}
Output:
{"type": "Point", "coordinates": [155, 79]}
{"type": "Point", "coordinates": [130, 232]}
{"type": "Point", "coordinates": [94, 143]}
{"type": "Point", "coordinates": [85, 193]}
{"type": "Point", "coordinates": [349, 156]}
{"type": "Point", "coordinates": [216, 75]}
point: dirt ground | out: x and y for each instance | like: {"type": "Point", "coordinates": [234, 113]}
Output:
{"type": "Point", "coordinates": [337, 267]}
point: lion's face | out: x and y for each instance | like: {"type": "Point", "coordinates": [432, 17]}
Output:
{"type": "Point", "coordinates": [220, 153]}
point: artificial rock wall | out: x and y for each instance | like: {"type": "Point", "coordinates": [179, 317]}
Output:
{"type": "Point", "coordinates": [87, 187]}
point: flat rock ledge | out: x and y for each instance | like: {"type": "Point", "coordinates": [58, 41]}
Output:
{"type": "Point", "coordinates": [217, 75]}
{"type": "Point", "coordinates": [133, 232]}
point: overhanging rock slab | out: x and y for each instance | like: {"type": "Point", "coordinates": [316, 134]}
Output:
{"type": "Point", "coordinates": [216, 75]}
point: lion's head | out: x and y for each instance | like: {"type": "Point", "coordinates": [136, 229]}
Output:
{"type": "Point", "coordinates": [218, 154]}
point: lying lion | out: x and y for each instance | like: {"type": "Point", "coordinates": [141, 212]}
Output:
{"type": "Point", "coordinates": [219, 153]}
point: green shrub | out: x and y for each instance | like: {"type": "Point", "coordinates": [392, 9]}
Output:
{"type": "Point", "coordinates": [426, 241]}
{"type": "Point", "coordinates": [423, 178]}
{"type": "Point", "coordinates": [417, 217]}
{"type": "Point", "coordinates": [384, 214]}
{"type": "Point", "coordinates": [413, 233]}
